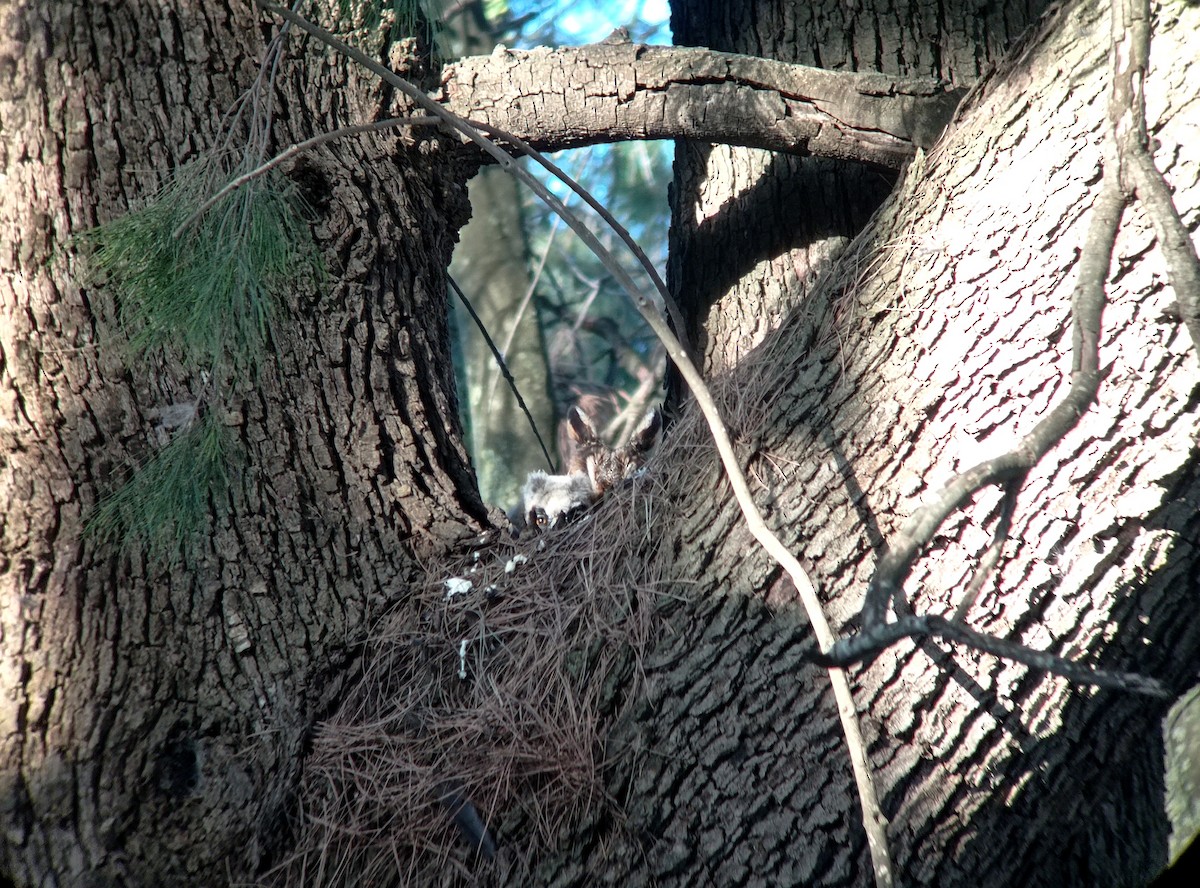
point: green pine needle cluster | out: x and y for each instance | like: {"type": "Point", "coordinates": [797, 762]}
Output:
{"type": "Point", "coordinates": [206, 289]}
{"type": "Point", "coordinates": [166, 501]}
{"type": "Point", "coordinates": [213, 292]}
{"type": "Point", "coordinates": [404, 18]}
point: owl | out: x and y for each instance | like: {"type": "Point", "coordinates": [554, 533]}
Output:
{"type": "Point", "coordinates": [549, 501]}
{"type": "Point", "coordinates": [604, 466]}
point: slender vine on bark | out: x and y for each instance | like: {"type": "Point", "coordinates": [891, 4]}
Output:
{"type": "Point", "coordinates": [1128, 173]}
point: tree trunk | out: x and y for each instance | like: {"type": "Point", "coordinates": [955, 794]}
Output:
{"type": "Point", "coordinates": [939, 338]}
{"type": "Point", "coordinates": [155, 718]}
{"type": "Point", "coordinates": [491, 265]}
{"type": "Point", "coordinates": [786, 218]}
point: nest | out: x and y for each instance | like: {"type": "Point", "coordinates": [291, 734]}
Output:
{"type": "Point", "coordinates": [490, 692]}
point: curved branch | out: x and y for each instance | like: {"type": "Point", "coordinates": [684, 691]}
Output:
{"type": "Point", "coordinates": [1089, 298]}
{"type": "Point", "coordinates": [870, 643]}
{"type": "Point", "coordinates": [629, 91]}
{"type": "Point", "coordinates": [874, 823]}
{"type": "Point", "coordinates": [621, 231]}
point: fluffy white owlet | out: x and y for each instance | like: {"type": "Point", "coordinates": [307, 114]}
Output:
{"type": "Point", "coordinates": [552, 500]}
{"type": "Point", "coordinates": [593, 468]}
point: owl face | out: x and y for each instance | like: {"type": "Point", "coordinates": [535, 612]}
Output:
{"type": "Point", "coordinates": [606, 466]}
{"type": "Point", "coordinates": [552, 500]}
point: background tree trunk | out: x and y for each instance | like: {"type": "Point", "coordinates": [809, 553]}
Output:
{"type": "Point", "coordinates": [782, 218]}
{"type": "Point", "coordinates": [937, 340]}
{"type": "Point", "coordinates": [491, 265]}
{"type": "Point", "coordinates": [154, 719]}
{"type": "Point", "coordinates": [492, 271]}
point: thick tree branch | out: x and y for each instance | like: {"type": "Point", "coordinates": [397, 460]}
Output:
{"type": "Point", "coordinates": [626, 91]}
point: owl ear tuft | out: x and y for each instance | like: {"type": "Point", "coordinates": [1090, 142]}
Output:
{"type": "Point", "coordinates": [644, 438]}
{"type": "Point", "coordinates": [578, 440]}
{"type": "Point", "coordinates": [582, 430]}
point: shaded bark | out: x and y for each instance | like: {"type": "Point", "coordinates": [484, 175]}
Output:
{"type": "Point", "coordinates": [782, 219]}
{"type": "Point", "coordinates": [155, 718]}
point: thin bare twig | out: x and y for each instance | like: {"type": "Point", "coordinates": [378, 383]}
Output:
{"type": "Point", "coordinates": [621, 231]}
{"type": "Point", "coordinates": [988, 562]}
{"type": "Point", "coordinates": [1132, 18]}
{"type": "Point", "coordinates": [292, 151]}
{"type": "Point", "coordinates": [873, 820]}
{"type": "Point", "coordinates": [868, 644]}
{"type": "Point", "coordinates": [1183, 267]}
{"type": "Point", "coordinates": [508, 377]}
{"type": "Point", "coordinates": [1011, 468]}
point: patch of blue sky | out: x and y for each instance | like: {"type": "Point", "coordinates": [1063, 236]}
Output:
{"type": "Point", "coordinates": [589, 21]}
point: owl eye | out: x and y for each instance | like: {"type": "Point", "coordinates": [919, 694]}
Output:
{"type": "Point", "coordinates": [540, 518]}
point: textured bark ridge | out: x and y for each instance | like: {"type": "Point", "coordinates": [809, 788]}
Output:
{"type": "Point", "coordinates": [944, 338]}
{"type": "Point", "coordinates": [153, 719]}
{"type": "Point", "coordinates": [628, 91]}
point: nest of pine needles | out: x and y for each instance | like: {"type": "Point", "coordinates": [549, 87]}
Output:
{"type": "Point", "coordinates": [490, 693]}
{"type": "Point", "coordinates": [497, 685]}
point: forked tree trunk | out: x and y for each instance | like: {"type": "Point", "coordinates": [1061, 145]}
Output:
{"type": "Point", "coordinates": [154, 719]}
{"type": "Point", "coordinates": [940, 337]}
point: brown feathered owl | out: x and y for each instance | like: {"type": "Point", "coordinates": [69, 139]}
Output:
{"type": "Point", "coordinates": [592, 468]}
{"type": "Point", "coordinates": [604, 466]}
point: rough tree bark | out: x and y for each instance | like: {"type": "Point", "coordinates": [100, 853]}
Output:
{"type": "Point", "coordinates": [938, 340]}
{"type": "Point", "coordinates": [156, 720]}
{"type": "Point", "coordinates": [784, 217]}
{"type": "Point", "coordinates": [628, 91]}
